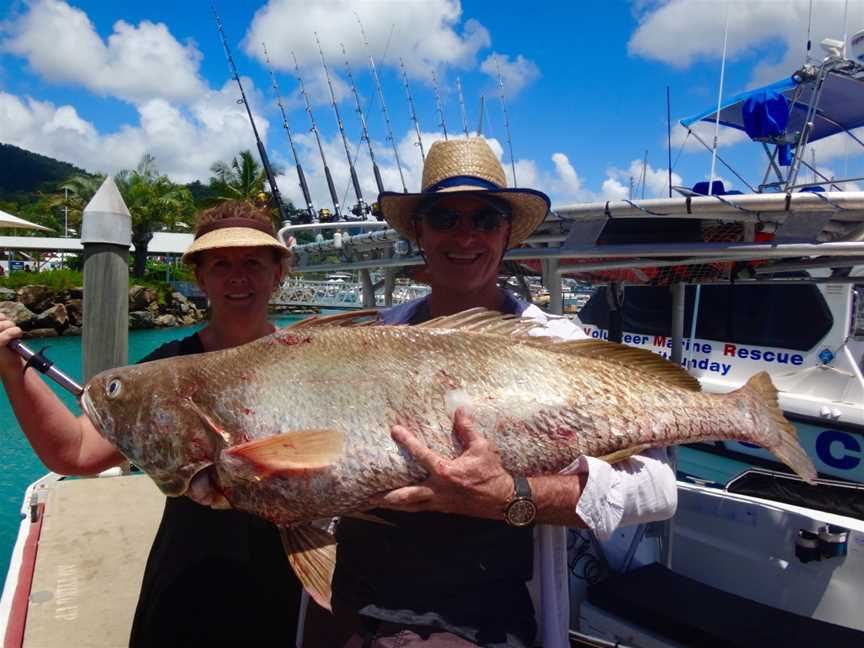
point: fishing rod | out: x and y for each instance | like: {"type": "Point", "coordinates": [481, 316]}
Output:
{"type": "Point", "coordinates": [506, 118]}
{"type": "Point", "coordinates": [438, 104]}
{"type": "Point", "coordinates": [310, 208]}
{"type": "Point", "coordinates": [271, 179]}
{"type": "Point", "coordinates": [462, 106]}
{"type": "Point", "coordinates": [413, 112]}
{"type": "Point", "coordinates": [480, 119]}
{"type": "Point", "coordinates": [383, 104]}
{"type": "Point", "coordinates": [337, 213]}
{"type": "Point", "coordinates": [360, 208]}
{"type": "Point", "coordinates": [43, 365]}
{"type": "Point", "coordinates": [364, 132]}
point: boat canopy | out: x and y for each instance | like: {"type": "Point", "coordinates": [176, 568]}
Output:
{"type": "Point", "coordinates": [759, 112]}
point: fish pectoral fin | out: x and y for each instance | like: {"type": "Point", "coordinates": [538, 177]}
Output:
{"type": "Point", "coordinates": [312, 555]}
{"type": "Point", "coordinates": [626, 453]}
{"type": "Point", "coordinates": [216, 431]}
{"type": "Point", "coordinates": [292, 451]}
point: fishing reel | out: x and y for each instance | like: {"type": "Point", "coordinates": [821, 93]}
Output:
{"type": "Point", "coordinates": [360, 210]}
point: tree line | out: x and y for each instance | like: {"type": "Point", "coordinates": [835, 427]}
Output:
{"type": "Point", "coordinates": [155, 203]}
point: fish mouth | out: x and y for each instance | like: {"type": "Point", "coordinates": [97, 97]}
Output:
{"type": "Point", "coordinates": [90, 410]}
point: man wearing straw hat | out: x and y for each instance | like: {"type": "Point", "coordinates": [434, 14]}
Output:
{"type": "Point", "coordinates": [461, 561]}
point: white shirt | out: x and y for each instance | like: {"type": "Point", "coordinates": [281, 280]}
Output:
{"type": "Point", "coordinates": [639, 489]}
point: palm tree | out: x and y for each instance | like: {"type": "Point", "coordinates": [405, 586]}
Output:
{"type": "Point", "coordinates": [155, 203]}
{"type": "Point", "coordinates": [74, 193]}
{"type": "Point", "coordinates": [242, 179]}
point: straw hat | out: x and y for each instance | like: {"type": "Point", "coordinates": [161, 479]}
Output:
{"type": "Point", "coordinates": [234, 232]}
{"type": "Point", "coordinates": [465, 165]}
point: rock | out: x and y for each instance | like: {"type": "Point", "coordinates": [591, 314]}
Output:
{"type": "Point", "coordinates": [72, 330]}
{"type": "Point", "coordinates": [153, 307]}
{"type": "Point", "coordinates": [55, 317]}
{"type": "Point", "coordinates": [76, 293]}
{"type": "Point", "coordinates": [36, 298]}
{"type": "Point", "coordinates": [18, 313]}
{"type": "Point", "coordinates": [75, 311]}
{"type": "Point", "coordinates": [140, 319]}
{"type": "Point", "coordinates": [188, 320]}
{"type": "Point", "coordinates": [166, 320]}
{"type": "Point", "coordinates": [41, 333]}
{"type": "Point", "coordinates": [140, 298]}
{"type": "Point", "coordinates": [179, 297]}
{"type": "Point", "coordinates": [7, 294]}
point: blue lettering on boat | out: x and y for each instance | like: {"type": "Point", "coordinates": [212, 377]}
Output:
{"type": "Point", "coordinates": [845, 457]}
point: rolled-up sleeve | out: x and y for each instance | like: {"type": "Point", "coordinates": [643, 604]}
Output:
{"type": "Point", "coordinates": [636, 490]}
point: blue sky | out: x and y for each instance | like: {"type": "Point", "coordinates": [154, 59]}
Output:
{"type": "Point", "coordinates": [100, 84]}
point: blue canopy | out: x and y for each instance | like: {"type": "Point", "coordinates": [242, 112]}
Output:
{"type": "Point", "coordinates": [841, 106]}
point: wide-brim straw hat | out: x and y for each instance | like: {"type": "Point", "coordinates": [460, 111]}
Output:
{"type": "Point", "coordinates": [465, 166]}
{"type": "Point", "coordinates": [234, 232]}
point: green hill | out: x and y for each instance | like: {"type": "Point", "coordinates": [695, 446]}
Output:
{"type": "Point", "coordinates": [24, 172]}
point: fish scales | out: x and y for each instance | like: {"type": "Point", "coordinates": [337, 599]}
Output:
{"type": "Point", "coordinates": [542, 405]}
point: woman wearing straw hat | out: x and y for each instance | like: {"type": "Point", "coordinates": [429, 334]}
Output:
{"type": "Point", "coordinates": [462, 560]}
{"type": "Point", "coordinates": [214, 577]}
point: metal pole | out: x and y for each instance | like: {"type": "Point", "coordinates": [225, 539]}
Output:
{"type": "Point", "coordinates": [368, 289]}
{"type": "Point", "coordinates": [462, 106]}
{"type": "Point", "coordinates": [442, 123]}
{"type": "Point", "coordinates": [678, 294]}
{"type": "Point", "coordinates": [719, 103]}
{"type": "Point", "coordinates": [412, 111]}
{"type": "Point", "coordinates": [506, 120]}
{"type": "Point", "coordinates": [669, 137]}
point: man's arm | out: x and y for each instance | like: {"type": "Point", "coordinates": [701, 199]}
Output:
{"type": "Point", "coordinates": [65, 443]}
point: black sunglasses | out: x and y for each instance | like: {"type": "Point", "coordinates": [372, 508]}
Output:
{"type": "Point", "coordinates": [487, 219]}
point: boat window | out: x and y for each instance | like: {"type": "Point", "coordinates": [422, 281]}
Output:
{"type": "Point", "coordinates": [858, 311]}
{"type": "Point", "coordinates": [785, 316]}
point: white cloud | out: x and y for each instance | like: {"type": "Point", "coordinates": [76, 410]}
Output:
{"type": "Point", "coordinates": [185, 142]}
{"type": "Point", "coordinates": [680, 32]}
{"type": "Point", "coordinates": [617, 183]}
{"type": "Point", "coordinates": [137, 63]}
{"type": "Point", "coordinates": [515, 74]}
{"type": "Point", "coordinates": [425, 34]}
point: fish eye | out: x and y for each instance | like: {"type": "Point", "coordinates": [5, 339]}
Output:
{"type": "Point", "coordinates": [114, 388]}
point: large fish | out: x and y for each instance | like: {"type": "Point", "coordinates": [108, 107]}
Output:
{"type": "Point", "coordinates": [295, 426]}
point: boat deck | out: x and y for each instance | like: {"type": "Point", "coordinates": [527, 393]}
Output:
{"type": "Point", "coordinates": [95, 538]}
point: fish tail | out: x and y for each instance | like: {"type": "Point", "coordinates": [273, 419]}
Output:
{"type": "Point", "coordinates": [786, 446]}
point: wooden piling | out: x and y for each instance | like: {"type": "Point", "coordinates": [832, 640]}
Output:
{"type": "Point", "coordinates": [106, 235]}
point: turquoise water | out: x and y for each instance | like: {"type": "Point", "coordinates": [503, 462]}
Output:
{"type": "Point", "coordinates": [19, 466]}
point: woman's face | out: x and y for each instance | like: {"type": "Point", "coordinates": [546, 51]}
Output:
{"type": "Point", "coordinates": [238, 281]}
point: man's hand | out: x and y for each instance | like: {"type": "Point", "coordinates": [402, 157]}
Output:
{"type": "Point", "coordinates": [474, 483]}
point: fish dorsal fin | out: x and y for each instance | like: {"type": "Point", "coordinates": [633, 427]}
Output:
{"type": "Point", "coordinates": [481, 320]}
{"type": "Point", "coordinates": [351, 318]}
{"type": "Point", "coordinates": [312, 555]}
{"type": "Point", "coordinates": [630, 357]}
{"type": "Point", "coordinates": [291, 452]}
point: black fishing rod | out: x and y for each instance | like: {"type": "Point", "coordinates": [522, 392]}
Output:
{"type": "Point", "coordinates": [364, 132]}
{"type": "Point", "coordinates": [462, 106]}
{"type": "Point", "coordinates": [330, 185]}
{"type": "Point", "coordinates": [271, 179]}
{"type": "Point", "coordinates": [506, 119]}
{"type": "Point", "coordinates": [480, 118]}
{"type": "Point", "coordinates": [438, 104]}
{"type": "Point", "coordinates": [310, 208]}
{"type": "Point", "coordinates": [413, 112]}
{"type": "Point", "coordinates": [360, 209]}
{"type": "Point", "coordinates": [46, 367]}
{"type": "Point", "coordinates": [383, 104]}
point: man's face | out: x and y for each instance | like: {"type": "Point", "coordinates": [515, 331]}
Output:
{"type": "Point", "coordinates": [462, 258]}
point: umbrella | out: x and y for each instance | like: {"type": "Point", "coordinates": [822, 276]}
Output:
{"type": "Point", "coordinates": [8, 220]}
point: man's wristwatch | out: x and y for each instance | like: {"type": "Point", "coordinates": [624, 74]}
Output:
{"type": "Point", "coordinates": [521, 509]}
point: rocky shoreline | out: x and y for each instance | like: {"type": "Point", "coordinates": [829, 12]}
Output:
{"type": "Point", "coordinates": [41, 311]}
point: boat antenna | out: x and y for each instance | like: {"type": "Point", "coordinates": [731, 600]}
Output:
{"type": "Point", "coordinates": [360, 208]}
{"type": "Point", "coordinates": [413, 112]}
{"type": "Point", "coordinates": [330, 186]}
{"type": "Point", "coordinates": [719, 103]}
{"type": "Point", "coordinates": [462, 106]}
{"type": "Point", "coordinates": [644, 172]}
{"type": "Point", "coordinates": [845, 26]}
{"type": "Point", "coordinates": [506, 118]}
{"type": "Point", "coordinates": [480, 118]}
{"type": "Point", "coordinates": [383, 104]}
{"type": "Point", "coordinates": [310, 208]}
{"type": "Point", "coordinates": [669, 138]}
{"type": "Point", "coordinates": [809, 30]}
{"type": "Point", "coordinates": [271, 179]}
{"type": "Point", "coordinates": [364, 132]}
{"type": "Point", "coordinates": [439, 105]}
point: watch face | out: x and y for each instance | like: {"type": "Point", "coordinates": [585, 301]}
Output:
{"type": "Point", "coordinates": [521, 512]}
